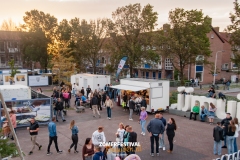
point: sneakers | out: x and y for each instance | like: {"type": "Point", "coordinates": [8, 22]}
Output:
{"type": "Point", "coordinates": [69, 150]}
{"type": "Point", "coordinates": [109, 118]}
{"type": "Point", "coordinates": [64, 120]}
{"type": "Point", "coordinates": [130, 119]}
{"type": "Point", "coordinates": [143, 134]}
{"type": "Point", "coordinates": [56, 120]}
{"type": "Point", "coordinates": [94, 116]}
{"type": "Point", "coordinates": [99, 116]}
{"type": "Point", "coordinates": [39, 148]}
{"type": "Point", "coordinates": [152, 154]}
{"type": "Point", "coordinates": [169, 151]}
{"type": "Point", "coordinates": [160, 147]}
{"type": "Point", "coordinates": [157, 154]}
{"type": "Point", "coordinates": [163, 148]}
{"type": "Point", "coordinates": [59, 152]}
{"type": "Point", "coordinates": [49, 153]}
{"type": "Point", "coordinates": [224, 146]}
{"type": "Point", "coordinates": [30, 153]}
{"type": "Point", "coordinates": [75, 151]}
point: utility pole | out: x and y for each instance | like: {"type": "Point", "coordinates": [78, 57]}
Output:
{"type": "Point", "coordinates": [11, 127]}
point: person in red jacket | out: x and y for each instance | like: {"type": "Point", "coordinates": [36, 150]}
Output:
{"type": "Point", "coordinates": [13, 120]}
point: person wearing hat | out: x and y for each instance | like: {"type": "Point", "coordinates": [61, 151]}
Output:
{"type": "Point", "coordinates": [224, 123]}
{"type": "Point", "coordinates": [131, 107]}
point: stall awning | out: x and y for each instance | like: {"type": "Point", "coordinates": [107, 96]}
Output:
{"type": "Point", "coordinates": [128, 87]}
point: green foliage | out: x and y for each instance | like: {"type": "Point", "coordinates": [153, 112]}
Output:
{"type": "Point", "coordinates": [109, 68]}
{"type": "Point", "coordinates": [7, 148]}
{"type": "Point", "coordinates": [132, 36]}
{"type": "Point", "coordinates": [173, 98]}
{"type": "Point", "coordinates": [13, 68]}
{"type": "Point", "coordinates": [185, 38]}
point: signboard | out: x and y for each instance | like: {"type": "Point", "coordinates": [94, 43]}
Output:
{"type": "Point", "coordinates": [38, 80]}
{"type": "Point", "coordinates": [19, 78]}
{"type": "Point", "coordinates": [27, 109]}
{"type": "Point", "coordinates": [214, 74]}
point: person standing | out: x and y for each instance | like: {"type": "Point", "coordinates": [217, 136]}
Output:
{"type": "Point", "coordinates": [90, 96]}
{"type": "Point", "coordinates": [14, 121]}
{"type": "Point", "coordinates": [195, 112]}
{"type": "Point", "coordinates": [132, 139]}
{"type": "Point", "coordinates": [74, 130]}
{"type": "Point", "coordinates": [52, 129]}
{"type": "Point", "coordinates": [230, 137]}
{"type": "Point", "coordinates": [203, 114]}
{"type": "Point", "coordinates": [211, 113]}
{"type": "Point", "coordinates": [161, 139]}
{"type": "Point", "coordinates": [88, 150]}
{"type": "Point", "coordinates": [33, 130]}
{"type": "Point", "coordinates": [99, 97]}
{"type": "Point", "coordinates": [142, 119]}
{"type": "Point", "coordinates": [218, 137]}
{"type": "Point", "coordinates": [236, 134]}
{"type": "Point", "coordinates": [171, 128]}
{"type": "Point", "coordinates": [98, 136]}
{"type": "Point", "coordinates": [104, 97]}
{"type": "Point", "coordinates": [155, 128]}
{"type": "Point", "coordinates": [94, 102]}
{"type": "Point", "coordinates": [88, 90]}
{"type": "Point", "coordinates": [109, 105]}
{"type": "Point", "coordinates": [82, 91]}
{"type": "Point", "coordinates": [225, 122]}
{"type": "Point", "coordinates": [99, 88]}
{"type": "Point", "coordinates": [59, 110]}
{"type": "Point", "coordinates": [144, 103]}
{"type": "Point", "coordinates": [131, 107]}
{"type": "Point", "coordinates": [124, 102]}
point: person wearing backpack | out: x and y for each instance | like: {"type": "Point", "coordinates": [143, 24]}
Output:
{"type": "Point", "coordinates": [59, 109]}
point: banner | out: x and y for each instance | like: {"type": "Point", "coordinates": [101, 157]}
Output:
{"type": "Point", "coordinates": [24, 110]}
{"type": "Point", "coordinates": [37, 80]}
{"type": "Point", "coordinates": [120, 66]}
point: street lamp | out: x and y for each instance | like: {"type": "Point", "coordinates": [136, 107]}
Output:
{"type": "Point", "coordinates": [215, 66]}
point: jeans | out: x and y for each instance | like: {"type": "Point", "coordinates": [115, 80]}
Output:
{"type": "Point", "coordinates": [161, 141]}
{"type": "Point", "coordinates": [217, 148]}
{"type": "Point", "coordinates": [131, 113]}
{"type": "Point", "coordinates": [109, 112]}
{"type": "Point", "coordinates": [54, 139]}
{"type": "Point", "coordinates": [143, 122]}
{"type": "Point", "coordinates": [74, 141]}
{"type": "Point", "coordinates": [235, 145]}
{"type": "Point", "coordinates": [170, 140]}
{"type": "Point", "coordinates": [202, 116]}
{"type": "Point", "coordinates": [156, 138]}
{"type": "Point", "coordinates": [230, 144]}
{"type": "Point", "coordinates": [195, 115]}
{"type": "Point", "coordinates": [61, 114]}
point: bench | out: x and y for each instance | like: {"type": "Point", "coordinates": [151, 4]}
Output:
{"type": "Point", "coordinates": [86, 105]}
{"type": "Point", "coordinates": [80, 109]}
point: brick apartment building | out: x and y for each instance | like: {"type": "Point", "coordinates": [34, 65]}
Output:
{"type": "Point", "coordinates": [10, 49]}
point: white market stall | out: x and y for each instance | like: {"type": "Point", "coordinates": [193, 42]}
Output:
{"type": "Point", "coordinates": [17, 92]}
{"type": "Point", "coordinates": [83, 80]}
{"type": "Point", "coordinates": [155, 91]}
{"type": "Point", "coordinates": [20, 78]}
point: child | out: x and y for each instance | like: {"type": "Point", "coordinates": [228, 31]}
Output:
{"type": "Point", "coordinates": [98, 153]}
{"type": "Point", "coordinates": [218, 137]}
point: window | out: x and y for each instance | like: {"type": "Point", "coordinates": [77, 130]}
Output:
{"type": "Point", "coordinates": [153, 48]}
{"type": "Point", "coordinates": [3, 59]}
{"type": "Point", "coordinates": [148, 47]}
{"type": "Point", "coordinates": [102, 60]}
{"type": "Point", "coordinates": [2, 49]}
{"type": "Point", "coordinates": [168, 64]}
{"type": "Point", "coordinates": [11, 57]}
{"type": "Point", "coordinates": [225, 66]}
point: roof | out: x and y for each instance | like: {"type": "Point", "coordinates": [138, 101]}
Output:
{"type": "Point", "coordinates": [91, 75]}
{"type": "Point", "coordinates": [12, 87]}
{"type": "Point", "coordinates": [10, 35]}
{"type": "Point", "coordinates": [144, 80]}
{"type": "Point", "coordinates": [216, 32]}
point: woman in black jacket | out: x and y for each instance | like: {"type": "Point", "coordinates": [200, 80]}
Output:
{"type": "Point", "coordinates": [171, 127]}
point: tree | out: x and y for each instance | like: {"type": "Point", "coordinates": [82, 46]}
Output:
{"type": "Point", "coordinates": [234, 31]}
{"type": "Point", "coordinates": [132, 34]}
{"type": "Point", "coordinates": [7, 148]}
{"type": "Point", "coordinates": [184, 41]}
{"type": "Point", "coordinates": [40, 25]}
{"type": "Point", "coordinates": [90, 40]}
{"type": "Point", "coordinates": [13, 69]}
{"type": "Point", "coordinates": [8, 25]}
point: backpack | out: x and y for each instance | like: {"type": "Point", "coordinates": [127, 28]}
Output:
{"type": "Point", "coordinates": [65, 95]}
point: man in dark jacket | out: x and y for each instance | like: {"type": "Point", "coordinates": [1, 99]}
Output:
{"type": "Point", "coordinates": [144, 103]}
{"type": "Point", "coordinates": [59, 109]}
{"type": "Point", "coordinates": [88, 90]}
{"type": "Point", "coordinates": [82, 91]}
{"type": "Point", "coordinates": [104, 97]}
{"type": "Point", "coordinates": [131, 107]}
{"type": "Point", "coordinates": [94, 102]}
{"type": "Point", "coordinates": [132, 138]}
{"type": "Point", "coordinates": [155, 128]}
{"type": "Point", "coordinates": [218, 137]}
{"type": "Point", "coordinates": [224, 123]}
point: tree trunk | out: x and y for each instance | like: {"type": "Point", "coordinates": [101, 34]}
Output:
{"type": "Point", "coordinates": [181, 74]}
{"type": "Point", "coordinates": [131, 71]}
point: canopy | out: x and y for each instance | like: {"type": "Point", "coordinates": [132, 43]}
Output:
{"type": "Point", "coordinates": [128, 87]}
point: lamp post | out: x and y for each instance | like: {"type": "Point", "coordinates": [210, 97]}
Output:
{"type": "Point", "coordinates": [215, 66]}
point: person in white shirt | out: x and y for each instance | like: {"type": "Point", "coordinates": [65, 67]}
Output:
{"type": "Point", "coordinates": [99, 88]}
{"type": "Point", "coordinates": [98, 136]}
{"type": "Point", "coordinates": [236, 134]}
{"type": "Point", "coordinates": [196, 82]}
{"type": "Point", "coordinates": [138, 101]}
{"type": "Point", "coordinates": [120, 132]}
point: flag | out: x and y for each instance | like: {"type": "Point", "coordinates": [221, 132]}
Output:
{"type": "Point", "coordinates": [120, 66]}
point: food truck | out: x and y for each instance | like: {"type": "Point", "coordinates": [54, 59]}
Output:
{"type": "Point", "coordinates": [83, 80]}
{"type": "Point", "coordinates": [156, 92]}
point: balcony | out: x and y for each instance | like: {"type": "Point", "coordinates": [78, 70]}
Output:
{"type": "Point", "coordinates": [12, 50]}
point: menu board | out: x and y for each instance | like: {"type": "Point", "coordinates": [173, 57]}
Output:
{"type": "Point", "coordinates": [40, 109]}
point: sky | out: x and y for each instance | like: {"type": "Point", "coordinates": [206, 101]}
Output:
{"type": "Point", "coordinates": [218, 10]}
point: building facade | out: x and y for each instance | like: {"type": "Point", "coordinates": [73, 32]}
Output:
{"type": "Point", "coordinates": [10, 49]}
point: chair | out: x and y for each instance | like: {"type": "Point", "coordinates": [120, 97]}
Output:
{"type": "Point", "coordinates": [218, 159]}
{"type": "Point", "coordinates": [223, 157]}
{"type": "Point", "coordinates": [234, 155]}
{"type": "Point", "coordinates": [229, 156]}
{"type": "Point", "coordinates": [238, 155]}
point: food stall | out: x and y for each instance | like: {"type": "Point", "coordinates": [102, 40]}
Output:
{"type": "Point", "coordinates": [156, 92]}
